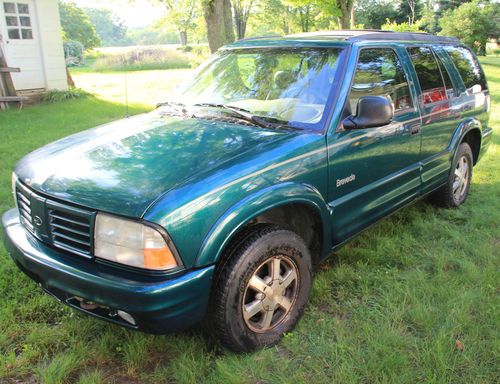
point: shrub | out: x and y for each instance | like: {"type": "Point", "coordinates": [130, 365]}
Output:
{"type": "Point", "coordinates": [403, 27]}
{"type": "Point", "coordinates": [57, 95]}
{"type": "Point", "coordinates": [471, 23]}
{"type": "Point", "coordinates": [73, 53]}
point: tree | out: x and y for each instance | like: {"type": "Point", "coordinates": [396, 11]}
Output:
{"type": "Point", "coordinates": [346, 13]}
{"type": "Point", "coordinates": [76, 25]}
{"type": "Point", "coordinates": [302, 9]}
{"type": "Point", "coordinates": [373, 13]}
{"type": "Point", "coordinates": [181, 14]}
{"type": "Point", "coordinates": [316, 13]}
{"type": "Point", "coordinates": [241, 13]}
{"type": "Point", "coordinates": [110, 28]}
{"type": "Point", "coordinates": [273, 17]}
{"type": "Point", "coordinates": [409, 11]}
{"type": "Point", "coordinates": [472, 23]}
{"type": "Point", "coordinates": [219, 23]}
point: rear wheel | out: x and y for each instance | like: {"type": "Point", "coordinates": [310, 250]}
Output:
{"type": "Point", "coordinates": [262, 289]}
{"type": "Point", "coordinates": [456, 189]}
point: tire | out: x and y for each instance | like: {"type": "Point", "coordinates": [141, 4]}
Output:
{"type": "Point", "coordinates": [251, 307]}
{"type": "Point", "coordinates": [455, 191]}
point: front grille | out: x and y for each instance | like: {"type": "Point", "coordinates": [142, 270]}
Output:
{"type": "Point", "coordinates": [60, 225]}
{"type": "Point", "coordinates": [24, 205]}
{"type": "Point", "coordinates": [70, 229]}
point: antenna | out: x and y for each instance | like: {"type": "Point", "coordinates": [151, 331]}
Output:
{"type": "Point", "coordinates": [126, 85]}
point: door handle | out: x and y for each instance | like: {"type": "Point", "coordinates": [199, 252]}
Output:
{"type": "Point", "coordinates": [415, 130]}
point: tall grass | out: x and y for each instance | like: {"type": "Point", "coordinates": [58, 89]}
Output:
{"type": "Point", "coordinates": [143, 58]}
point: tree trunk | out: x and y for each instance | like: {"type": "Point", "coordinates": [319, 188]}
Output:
{"type": "Point", "coordinates": [347, 16]}
{"type": "Point", "coordinates": [218, 19]}
{"type": "Point", "coordinates": [184, 37]}
{"type": "Point", "coordinates": [240, 24]}
{"type": "Point", "coordinates": [69, 78]}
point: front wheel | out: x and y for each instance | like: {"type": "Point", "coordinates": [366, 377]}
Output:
{"type": "Point", "coordinates": [456, 189]}
{"type": "Point", "coordinates": [262, 289]}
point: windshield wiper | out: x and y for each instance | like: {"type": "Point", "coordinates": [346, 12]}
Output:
{"type": "Point", "coordinates": [177, 107]}
{"type": "Point", "coordinates": [246, 115]}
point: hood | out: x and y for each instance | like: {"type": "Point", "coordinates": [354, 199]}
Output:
{"type": "Point", "coordinates": [123, 167]}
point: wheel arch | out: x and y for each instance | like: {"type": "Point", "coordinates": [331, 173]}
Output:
{"type": "Point", "coordinates": [270, 205]}
{"type": "Point", "coordinates": [468, 131]}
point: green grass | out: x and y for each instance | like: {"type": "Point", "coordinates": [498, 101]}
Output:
{"type": "Point", "coordinates": [414, 299]}
{"type": "Point", "coordinates": [144, 87]}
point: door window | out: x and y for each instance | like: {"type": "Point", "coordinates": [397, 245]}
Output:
{"type": "Point", "coordinates": [429, 74]}
{"type": "Point", "coordinates": [467, 66]}
{"type": "Point", "coordinates": [18, 21]}
{"type": "Point", "coordinates": [379, 72]}
{"type": "Point", "coordinates": [450, 89]}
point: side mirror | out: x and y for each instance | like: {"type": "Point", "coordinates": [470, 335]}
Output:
{"type": "Point", "coordinates": [372, 111]}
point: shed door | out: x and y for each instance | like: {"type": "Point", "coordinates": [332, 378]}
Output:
{"type": "Point", "coordinates": [21, 43]}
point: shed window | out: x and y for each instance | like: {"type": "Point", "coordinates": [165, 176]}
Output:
{"type": "Point", "coordinates": [9, 7]}
{"type": "Point", "coordinates": [18, 21]}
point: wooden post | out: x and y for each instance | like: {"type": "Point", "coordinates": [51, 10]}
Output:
{"type": "Point", "coordinates": [8, 84]}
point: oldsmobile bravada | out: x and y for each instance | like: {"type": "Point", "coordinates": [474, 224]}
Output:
{"type": "Point", "coordinates": [216, 205]}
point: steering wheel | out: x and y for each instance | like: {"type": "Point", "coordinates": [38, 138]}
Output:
{"type": "Point", "coordinates": [310, 96]}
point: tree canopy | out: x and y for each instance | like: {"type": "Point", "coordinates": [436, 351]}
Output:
{"type": "Point", "coordinates": [110, 29]}
{"type": "Point", "coordinates": [77, 26]}
{"type": "Point", "coordinates": [222, 21]}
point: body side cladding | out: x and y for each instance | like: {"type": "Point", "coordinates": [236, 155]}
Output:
{"type": "Point", "coordinates": [256, 204]}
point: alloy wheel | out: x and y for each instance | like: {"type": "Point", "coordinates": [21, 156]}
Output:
{"type": "Point", "coordinates": [270, 293]}
{"type": "Point", "coordinates": [461, 181]}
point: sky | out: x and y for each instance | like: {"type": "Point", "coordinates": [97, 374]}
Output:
{"type": "Point", "coordinates": [136, 13]}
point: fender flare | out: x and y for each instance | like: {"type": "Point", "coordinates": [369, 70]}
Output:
{"type": "Point", "coordinates": [252, 206]}
{"type": "Point", "coordinates": [463, 129]}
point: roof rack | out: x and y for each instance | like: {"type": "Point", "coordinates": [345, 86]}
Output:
{"type": "Point", "coordinates": [261, 37]}
{"type": "Point", "coordinates": [375, 34]}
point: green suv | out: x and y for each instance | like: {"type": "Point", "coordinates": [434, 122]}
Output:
{"type": "Point", "coordinates": [216, 205]}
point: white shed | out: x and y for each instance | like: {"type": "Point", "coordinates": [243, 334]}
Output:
{"type": "Point", "coordinates": [30, 37]}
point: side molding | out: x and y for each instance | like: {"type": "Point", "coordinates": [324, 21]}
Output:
{"type": "Point", "coordinates": [254, 205]}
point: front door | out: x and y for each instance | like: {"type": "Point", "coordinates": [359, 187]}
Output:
{"type": "Point", "coordinates": [373, 171]}
{"type": "Point", "coordinates": [20, 43]}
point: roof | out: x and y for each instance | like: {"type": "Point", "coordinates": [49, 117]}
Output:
{"type": "Point", "coordinates": [374, 34]}
{"type": "Point", "coordinates": [326, 38]}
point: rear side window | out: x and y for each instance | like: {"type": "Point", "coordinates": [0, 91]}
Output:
{"type": "Point", "coordinates": [450, 90]}
{"type": "Point", "coordinates": [468, 66]}
{"type": "Point", "coordinates": [379, 72]}
{"type": "Point", "coordinates": [428, 73]}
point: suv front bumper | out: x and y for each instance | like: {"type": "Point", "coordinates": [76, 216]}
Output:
{"type": "Point", "coordinates": [158, 304]}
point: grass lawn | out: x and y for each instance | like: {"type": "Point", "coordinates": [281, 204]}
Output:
{"type": "Point", "coordinates": [414, 299]}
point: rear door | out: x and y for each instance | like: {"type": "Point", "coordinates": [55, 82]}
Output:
{"type": "Point", "coordinates": [373, 171]}
{"type": "Point", "coordinates": [437, 100]}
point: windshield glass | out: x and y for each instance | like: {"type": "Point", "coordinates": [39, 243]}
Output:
{"type": "Point", "coordinates": [291, 86]}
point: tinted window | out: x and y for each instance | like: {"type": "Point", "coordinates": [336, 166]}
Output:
{"type": "Point", "coordinates": [450, 90]}
{"type": "Point", "coordinates": [380, 73]}
{"type": "Point", "coordinates": [467, 66]}
{"type": "Point", "coordinates": [429, 75]}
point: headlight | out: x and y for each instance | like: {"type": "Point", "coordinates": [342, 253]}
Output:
{"type": "Point", "coordinates": [131, 243]}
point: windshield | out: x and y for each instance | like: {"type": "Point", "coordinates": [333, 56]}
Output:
{"type": "Point", "coordinates": [291, 86]}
